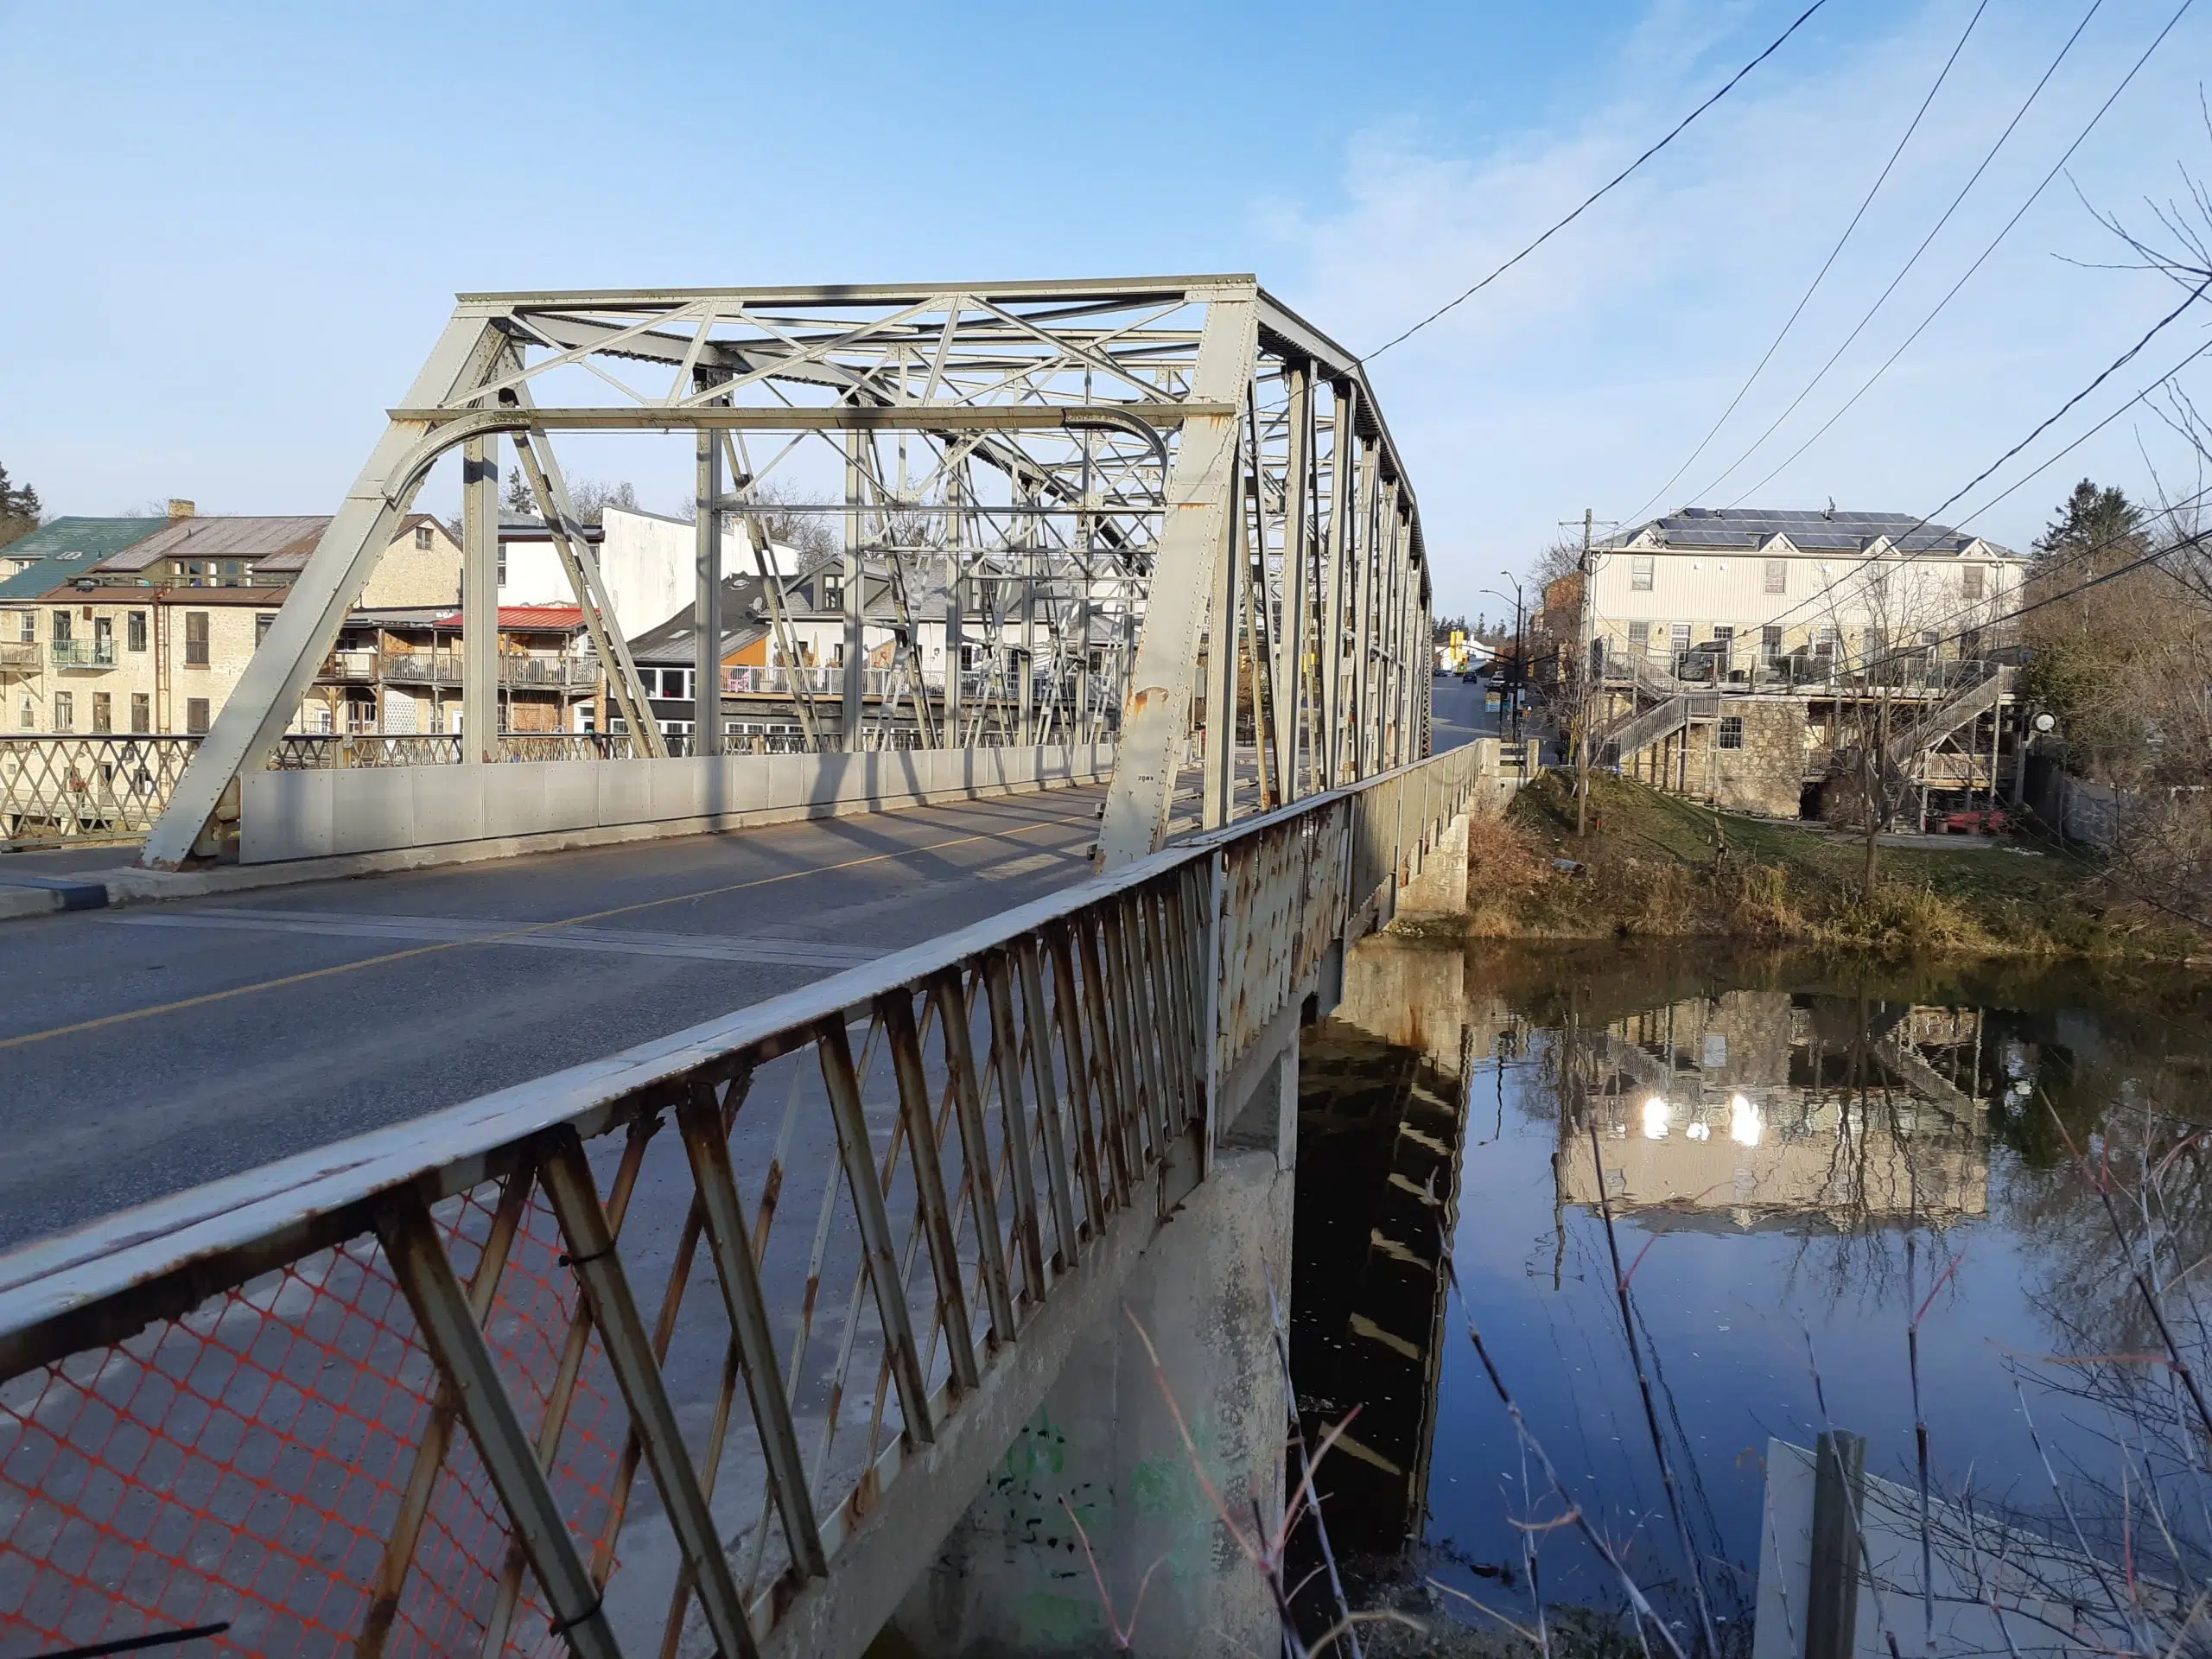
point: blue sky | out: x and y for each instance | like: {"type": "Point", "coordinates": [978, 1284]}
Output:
{"type": "Point", "coordinates": [239, 228]}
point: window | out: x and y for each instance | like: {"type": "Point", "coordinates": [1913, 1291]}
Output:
{"type": "Point", "coordinates": [1770, 641]}
{"type": "Point", "coordinates": [1970, 581]}
{"type": "Point", "coordinates": [1777, 575]}
{"type": "Point", "coordinates": [837, 655]}
{"type": "Point", "coordinates": [1678, 635]}
{"type": "Point", "coordinates": [262, 624]}
{"type": "Point", "coordinates": [422, 535]}
{"type": "Point", "coordinates": [134, 629]}
{"type": "Point", "coordinates": [1724, 635]}
{"type": "Point", "coordinates": [832, 593]}
{"type": "Point", "coordinates": [29, 634]}
{"type": "Point", "coordinates": [61, 627]}
{"type": "Point", "coordinates": [142, 712]}
{"type": "Point", "coordinates": [26, 715]}
{"type": "Point", "coordinates": [1639, 637]}
{"type": "Point", "coordinates": [1639, 573]}
{"type": "Point", "coordinates": [501, 578]}
{"type": "Point", "coordinates": [967, 658]}
{"type": "Point", "coordinates": [195, 641]}
{"type": "Point", "coordinates": [65, 711]}
{"type": "Point", "coordinates": [1824, 640]}
{"type": "Point", "coordinates": [103, 712]}
{"type": "Point", "coordinates": [195, 715]}
{"type": "Point", "coordinates": [103, 639]}
{"type": "Point", "coordinates": [1731, 731]}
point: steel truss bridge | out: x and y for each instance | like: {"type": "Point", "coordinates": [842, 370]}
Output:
{"type": "Point", "coordinates": [806, 1267]}
{"type": "Point", "coordinates": [1180, 497]}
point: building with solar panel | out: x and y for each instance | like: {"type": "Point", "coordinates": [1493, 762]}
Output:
{"type": "Point", "coordinates": [1753, 658]}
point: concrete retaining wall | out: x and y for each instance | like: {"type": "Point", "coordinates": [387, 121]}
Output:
{"type": "Point", "coordinates": [293, 815]}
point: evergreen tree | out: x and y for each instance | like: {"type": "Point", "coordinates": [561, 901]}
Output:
{"type": "Point", "coordinates": [19, 510]}
{"type": "Point", "coordinates": [2095, 531]}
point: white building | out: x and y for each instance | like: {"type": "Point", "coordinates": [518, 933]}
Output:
{"type": "Point", "coordinates": [645, 560]}
{"type": "Point", "coordinates": [1742, 591]}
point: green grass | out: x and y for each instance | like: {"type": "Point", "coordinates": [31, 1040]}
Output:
{"type": "Point", "coordinates": [1658, 866]}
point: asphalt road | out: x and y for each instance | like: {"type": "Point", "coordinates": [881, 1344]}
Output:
{"type": "Point", "coordinates": [146, 1050]}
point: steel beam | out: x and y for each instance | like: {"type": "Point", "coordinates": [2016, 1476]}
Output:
{"type": "Point", "coordinates": [479, 599]}
{"type": "Point", "coordinates": [269, 692]}
{"type": "Point", "coordinates": [707, 603]}
{"type": "Point", "coordinates": [1193, 542]}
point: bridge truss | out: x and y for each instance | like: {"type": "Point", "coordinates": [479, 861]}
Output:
{"type": "Point", "coordinates": [1105, 480]}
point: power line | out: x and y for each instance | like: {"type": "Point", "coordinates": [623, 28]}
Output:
{"type": "Point", "coordinates": [1934, 230]}
{"type": "Point", "coordinates": [1590, 200]}
{"type": "Point", "coordinates": [1807, 297]}
{"type": "Point", "coordinates": [2118, 363]}
{"type": "Point", "coordinates": [2039, 471]}
{"type": "Point", "coordinates": [2033, 196]}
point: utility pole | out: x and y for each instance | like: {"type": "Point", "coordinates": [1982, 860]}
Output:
{"type": "Point", "coordinates": [1583, 702]}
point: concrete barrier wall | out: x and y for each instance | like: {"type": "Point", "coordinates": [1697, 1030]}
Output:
{"type": "Point", "coordinates": [294, 814]}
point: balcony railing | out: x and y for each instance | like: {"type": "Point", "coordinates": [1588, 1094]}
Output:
{"type": "Point", "coordinates": [83, 653]}
{"type": "Point", "coordinates": [444, 668]}
{"type": "Point", "coordinates": [19, 654]}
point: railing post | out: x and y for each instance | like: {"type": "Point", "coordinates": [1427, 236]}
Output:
{"type": "Point", "coordinates": [568, 1184]}
{"type": "Point", "coordinates": [464, 1360]}
{"type": "Point", "coordinates": [1216, 885]}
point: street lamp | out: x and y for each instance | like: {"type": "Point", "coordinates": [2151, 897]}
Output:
{"type": "Point", "coordinates": [1520, 676]}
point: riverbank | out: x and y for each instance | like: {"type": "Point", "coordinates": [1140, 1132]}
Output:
{"type": "Point", "coordinates": [1654, 866]}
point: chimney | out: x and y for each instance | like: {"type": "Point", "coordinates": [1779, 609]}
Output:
{"type": "Point", "coordinates": [179, 508]}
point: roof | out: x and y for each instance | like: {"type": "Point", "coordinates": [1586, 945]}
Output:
{"type": "Point", "coordinates": [529, 527]}
{"type": "Point", "coordinates": [1815, 531]}
{"type": "Point", "coordinates": [75, 539]}
{"type": "Point", "coordinates": [264, 540]}
{"type": "Point", "coordinates": [32, 581]}
{"type": "Point", "coordinates": [524, 618]}
{"type": "Point", "coordinates": [745, 615]}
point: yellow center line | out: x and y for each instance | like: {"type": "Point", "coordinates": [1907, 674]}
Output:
{"type": "Point", "coordinates": [206, 997]}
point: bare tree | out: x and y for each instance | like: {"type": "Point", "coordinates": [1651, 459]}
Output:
{"type": "Point", "coordinates": [788, 517]}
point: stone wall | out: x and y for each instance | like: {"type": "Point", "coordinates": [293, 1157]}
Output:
{"type": "Point", "coordinates": [1765, 774]}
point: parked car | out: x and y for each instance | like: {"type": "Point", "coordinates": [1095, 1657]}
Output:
{"type": "Point", "coordinates": [1976, 821]}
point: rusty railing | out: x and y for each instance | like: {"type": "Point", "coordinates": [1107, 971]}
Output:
{"type": "Point", "coordinates": [394, 1396]}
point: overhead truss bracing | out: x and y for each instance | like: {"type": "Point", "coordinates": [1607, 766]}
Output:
{"type": "Point", "coordinates": [1150, 510]}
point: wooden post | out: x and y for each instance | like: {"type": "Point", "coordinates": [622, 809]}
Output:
{"type": "Point", "coordinates": [1838, 1491]}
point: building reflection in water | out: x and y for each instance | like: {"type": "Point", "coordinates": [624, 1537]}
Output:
{"type": "Point", "coordinates": [1769, 1110]}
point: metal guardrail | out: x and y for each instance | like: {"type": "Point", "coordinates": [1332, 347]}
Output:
{"type": "Point", "coordinates": [55, 788]}
{"type": "Point", "coordinates": [394, 1395]}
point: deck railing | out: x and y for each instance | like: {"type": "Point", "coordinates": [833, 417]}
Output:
{"type": "Point", "coordinates": [794, 1265]}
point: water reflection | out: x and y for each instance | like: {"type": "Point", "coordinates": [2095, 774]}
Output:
{"type": "Point", "coordinates": [1797, 1156]}
{"type": "Point", "coordinates": [1764, 1109]}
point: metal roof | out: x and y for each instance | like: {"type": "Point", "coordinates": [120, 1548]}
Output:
{"type": "Point", "coordinates": [224, 536]}
{"type": "Point", "coordinates": [81, 540]}
{"type": "Point", "coordinates": [524, 617]}
{"type": "Point", "coordinates": [1835, 530]}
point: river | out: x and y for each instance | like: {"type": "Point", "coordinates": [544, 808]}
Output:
{"type": "Point", "coordinates": [1795, 1161]}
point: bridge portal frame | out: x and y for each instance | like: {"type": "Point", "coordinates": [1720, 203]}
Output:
{"type": "Point", "coordinates": [1140, 467]}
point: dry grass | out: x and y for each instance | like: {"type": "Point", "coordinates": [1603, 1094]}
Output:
{"type": "Point", "coordinates": [1657, 867]}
